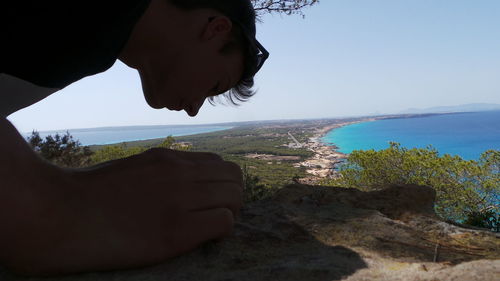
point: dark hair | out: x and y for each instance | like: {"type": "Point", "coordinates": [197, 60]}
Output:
{"type": "Point", "coordinates": [242, 14]}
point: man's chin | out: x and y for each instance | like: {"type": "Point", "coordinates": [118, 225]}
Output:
{"type": "Point", "coordinates": [176, 107]}
{"type": "Point", "coordinates": [160, 105]}
{"type": "Point", "coordinates": [191, 114]}
{"type": "Point", "coordinates": [153, 103]}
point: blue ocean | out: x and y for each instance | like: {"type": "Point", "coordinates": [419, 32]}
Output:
{"type": "Point", "coordinates": [464, 134]}
{"type": "Point", "coordinates": [112, 135]}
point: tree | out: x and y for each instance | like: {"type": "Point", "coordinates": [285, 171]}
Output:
{"type": "Point", "coordinates": [60, 150]}
{"type": "Point", "coordinates": [487, 219]}
{"type": "Point", "coordinates": [287, 7]}
{"type": "Point", "coordinates": [465, 189]}
{"type": "Point", "coordinates": [66, 152]}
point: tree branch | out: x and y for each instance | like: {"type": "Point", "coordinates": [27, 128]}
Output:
{"type": "Point", "coordinates": [287, 7]}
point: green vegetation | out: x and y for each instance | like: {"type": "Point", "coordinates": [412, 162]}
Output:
{"type": "Point", "coordinates": [271, 174]}
{"type": "Point", "coordinates": [254, 190]}
{"type": "Point", "coordinates": [113, 152]}
{"type": "Point", "coordinates": [233, 145]}
{"type": "Point", "coordinates": [467, 191]}
{"type": "Point", "coordinates": [62, 150]}
{"type": "Point", "coordinates": [237, 143]}
{"type": "Point", "coordinates": [243, 140]}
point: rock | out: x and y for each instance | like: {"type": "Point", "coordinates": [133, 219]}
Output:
{"type": "Point", "coordinates": [326, 233]}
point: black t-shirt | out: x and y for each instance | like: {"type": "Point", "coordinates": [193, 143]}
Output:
{"type": "Point", "coordinates": [55, 43]}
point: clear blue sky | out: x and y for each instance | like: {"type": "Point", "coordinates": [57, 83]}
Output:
{"type": "Point", "coordinates": [347, 57]}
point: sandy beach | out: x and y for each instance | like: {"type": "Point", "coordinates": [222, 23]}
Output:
{"type": "Point", "coordinates": [323, 163]}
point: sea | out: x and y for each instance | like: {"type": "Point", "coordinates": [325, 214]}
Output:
{"type": "Point", "coordinates": [464, 134]}
{"type": "Point", "coordinates": [111, 135]}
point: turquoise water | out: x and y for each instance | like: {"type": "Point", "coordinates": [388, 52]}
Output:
{"type": "Point", "coordinates": [463, 134]}
{"type": "Point", "coordinates": [121, 134]}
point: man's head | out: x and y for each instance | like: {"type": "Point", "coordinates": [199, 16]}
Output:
{"type": "Point", "coordinates": [190, 50]}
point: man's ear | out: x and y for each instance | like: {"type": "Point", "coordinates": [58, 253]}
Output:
{"type": "Point", "coordinates": [218, 27]}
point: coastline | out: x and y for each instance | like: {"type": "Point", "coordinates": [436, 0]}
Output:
{"type": "Point", "coordinates": [131, 134]}
{"type": "Point", "coordinates": [326, 157]}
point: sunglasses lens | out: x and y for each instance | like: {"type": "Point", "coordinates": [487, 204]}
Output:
{"type": "Point", "coordinates": [259, 61]}
{"type": "Point", "coordinates": [261, 58]}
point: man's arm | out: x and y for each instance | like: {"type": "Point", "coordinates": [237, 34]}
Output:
{"type": "Point", "coordinates": [24, 179]}
{"type": "Point", "coordinates": [125, 213]}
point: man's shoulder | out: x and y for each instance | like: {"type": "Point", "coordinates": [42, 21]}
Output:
{"type": "Point", "coordinates": [17, 94]}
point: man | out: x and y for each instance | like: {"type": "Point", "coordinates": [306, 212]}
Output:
{"type": "Point", "coordinates": [140, 210]}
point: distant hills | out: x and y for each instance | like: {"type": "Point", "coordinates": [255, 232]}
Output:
{"type": "Point", "coordinates": [471, 107]}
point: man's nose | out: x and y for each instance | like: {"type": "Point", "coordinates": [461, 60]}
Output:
{"type": "Point", "coordinates": [193, 108]}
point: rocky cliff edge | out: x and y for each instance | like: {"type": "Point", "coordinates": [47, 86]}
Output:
{"type": "Point", "coordinates": [326, 233]}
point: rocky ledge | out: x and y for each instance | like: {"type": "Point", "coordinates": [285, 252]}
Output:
{"type": "Point", "coordinates": [325, 233]}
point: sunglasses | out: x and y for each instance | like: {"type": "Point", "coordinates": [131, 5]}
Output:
{"type": "Point", "coordinates": [262, 53]}
{"type": "Point", "coordinates": [262, 56]}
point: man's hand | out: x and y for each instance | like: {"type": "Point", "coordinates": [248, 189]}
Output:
{"type": "Point", "coordinates": [125, 213]}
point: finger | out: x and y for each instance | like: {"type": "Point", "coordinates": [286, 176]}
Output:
{"type": "Point", "coordinates": [215, 195]}
{"type": "Point", "coordinates": [202, 226]}
{"type": "Point", "coordinates": [199, 156]}
{"type": "Point", "coordinates": [218, 171]}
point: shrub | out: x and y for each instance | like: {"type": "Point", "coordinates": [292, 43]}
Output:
{"type": "Point", "coordinates": [464, 188]}
{"type": "Point", "coordinates": [61, 150]}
